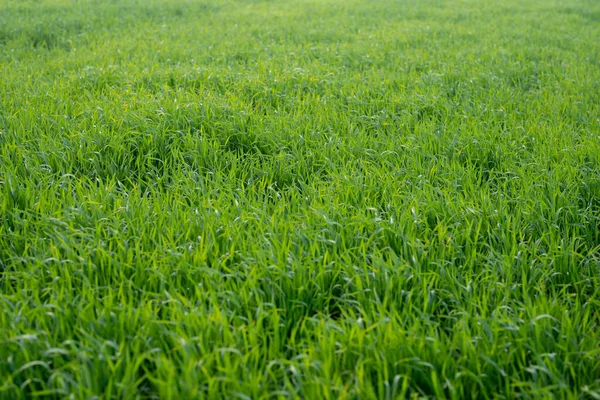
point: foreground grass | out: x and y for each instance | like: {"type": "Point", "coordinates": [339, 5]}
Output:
{"type": "Point", "coordinates": [318, 199]}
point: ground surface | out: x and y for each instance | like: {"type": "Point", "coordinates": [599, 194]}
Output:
{"type": "Point", "coordinates": [321, 199]}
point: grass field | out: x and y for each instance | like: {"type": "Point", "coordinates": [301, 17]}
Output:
{"type": "Point", "coordinates": [310, 199]}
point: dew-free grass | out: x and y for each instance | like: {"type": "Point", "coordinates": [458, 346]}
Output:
{"type": "Point", "coordinates": [299, 199]}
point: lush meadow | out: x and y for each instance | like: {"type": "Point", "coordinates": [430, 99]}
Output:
{"type": "Point", "coordinates": [299, 198]}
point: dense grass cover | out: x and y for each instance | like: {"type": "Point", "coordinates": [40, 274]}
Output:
{"type": "Point", "coordinates": [299, 198]}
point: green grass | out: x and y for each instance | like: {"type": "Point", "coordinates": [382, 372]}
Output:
{"type": "Point", "coordinates": [299, 198]}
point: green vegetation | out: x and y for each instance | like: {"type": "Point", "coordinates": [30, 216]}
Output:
{"type": "Point", "coordinates": [299, 198]}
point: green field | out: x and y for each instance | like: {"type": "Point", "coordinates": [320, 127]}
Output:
{"type": "Point", "coordinates": [313, 199]}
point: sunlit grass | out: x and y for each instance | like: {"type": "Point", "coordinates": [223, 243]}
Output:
{"type": "Point", "coordinates": [305, 199]}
